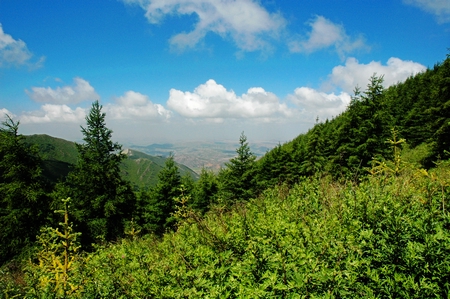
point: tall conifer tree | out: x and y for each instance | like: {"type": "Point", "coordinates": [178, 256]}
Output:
{"type": "Point", "coordinates": [103, 202]}
{"type": "Point", "coordinates": [155, 208]}
{"type": "Point", "coordinates": [364, 130]}
{"type": "Point", "coordinates": [205, 191]}
{"type": "Point", "coordinates": [238, 179]}
{"type": "Point", "coordinates": [23, 202]}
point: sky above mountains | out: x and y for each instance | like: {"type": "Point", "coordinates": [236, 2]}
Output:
{"type": "Point", "coordinates": [173, 70]}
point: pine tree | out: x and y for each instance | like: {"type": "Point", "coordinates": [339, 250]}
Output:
{"type": "Point", "coordinates": [103, 202]}
{"type": "Point", "coordinates": [441, 112]}
{"type": "Point", "coordinates": [314, 159]}
{"type": "Point", "coordinates": [156, 206]}
{"type": "Point", "coordinates": [238, 178]}
{"type": "Point", "coordinates": [23, 202]}
{"type": "Point", "coordinates": [205, 191]}
{"type": "Point", "coordinates": [364, 129]}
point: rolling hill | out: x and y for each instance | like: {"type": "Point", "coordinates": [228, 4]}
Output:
{"type": "Point", "coordinates": [60, 156]}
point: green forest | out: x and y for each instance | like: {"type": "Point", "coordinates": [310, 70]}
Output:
{"type": "Point", "coordinates": [357, 207]}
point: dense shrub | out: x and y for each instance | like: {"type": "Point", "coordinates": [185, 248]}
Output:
{"type": "Point", "coordinates": [388, 237]}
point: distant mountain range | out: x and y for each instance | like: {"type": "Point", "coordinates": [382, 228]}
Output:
{"type": "Point", "coordinates": [61, 155]}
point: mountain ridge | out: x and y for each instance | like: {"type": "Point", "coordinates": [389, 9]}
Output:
{"type": "Point", "coordinates": [60, 155]}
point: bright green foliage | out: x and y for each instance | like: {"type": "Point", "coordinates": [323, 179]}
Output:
{"type": "Point", "coordinates": [397, 165]}
{"type": "Point", "coordinates": [23, 203]}
{"type": "Point", "coordinates": [102, 201]}
{"type": "Point", "coordinates": [388, 237]}
{"type": "Point", "coordinates": [238, 178]}
{"type": "Point", "coordinates": [53, 275]}
{"type": "Point", "coordinates": [155, 207]}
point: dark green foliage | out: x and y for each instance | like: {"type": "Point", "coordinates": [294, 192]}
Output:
{"type": "Point", "coordinates": [314, 160]}
{"type": "Point", "coordinates": [58, 155]}
{"type": "Point", "coordinates": [102, 201]}
{"type": "Point", "coordinates": [238, 178]}
{"type": "Point", "coordinates": [279, 165]}
{"type": "Point", "coordinates": [420, 108]}
{"type": "Point", "coordinates": [52, 148]}
{"type": "Point", "coordinates": [205, 191]}
{"type": "Point", "coordinates": [441, 113]}
{"type": "Point", "coordinates": [344, 146]}
{"type": "Point", "coordinates": [364, 129]}
{"type": "Point", "coordinates": [155, 207]}
{"type": "Point", "coordinates": [23, 203]}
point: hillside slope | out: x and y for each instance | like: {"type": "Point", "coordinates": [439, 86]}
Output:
{"type": "Point", "coordinates": [60, 155]}
{"type": "Point", "coordinates": [415, 113]}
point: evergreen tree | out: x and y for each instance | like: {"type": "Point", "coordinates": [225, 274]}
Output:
{"type": "Point", "coordinates": [238, 178]}
{"type": "Point", "coordinates": [155, 207]}
{"type": "Point", "coordinates": [103, 202]}
{"type": "Point", "coordinates": [440, 113]}
{"type": "Point", "coordinates": [364, 130]}
{"type": "Point", "coordinates": [23, 202]}
{"type": "Point", "coordinates": [314, 159]}
{"type": "Point", "coordinates": [205, 191]}
{"type": "Point", "coordinates": [277, 166]}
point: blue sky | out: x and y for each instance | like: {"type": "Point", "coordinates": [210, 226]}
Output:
{"type": "Point", "coordinates": [173, 70]}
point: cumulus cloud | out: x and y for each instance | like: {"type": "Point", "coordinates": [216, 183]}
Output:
{"type": "Point", "coordinates": [246, 22]}
{"type": "Point", "coordinates": [353, 74]}
{"type": "Point", "coordinates": [54, 113]}
{"type": "Point", "coordinates": [214, 101]}
{"type": "Point", "coordinates": [79, 92]}
{"type": "Point", "coordinates": [319, 104]}
{"type": "Point", "coordinates": [134, 105]}
{"type": "Point", "coordinates": [325, 34]}
{"type": "Point", "coordinates": [15, 52]}
{"type": "Point", "coordinates": [440, 8]}
{"type": "Point", "coordinates": [4, 112]}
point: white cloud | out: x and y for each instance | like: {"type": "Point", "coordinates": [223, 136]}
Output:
{"type": "Point", "coordinates": [213, 101]}
{"type": "Point", "coordinates": [315, 103]}
{"type": "Point", "coordinates": [248, 24]}
{"type": "Point", "coordinates": [440, 8]}
{"type": "Point", "coordinates": [54, 113]}
{"type": "Point", "coordinates": [79, 92]}
{"type": "Point", "coordinates": [4, 112]}
{"type": "Point", "coordinates": [353, 74]}
{"type": "Point", "coordinates": [134, 105]}
{"type": "Point", "coordinates": [324, 34]}
{"type": "Point", "coordinates": [15, 52]}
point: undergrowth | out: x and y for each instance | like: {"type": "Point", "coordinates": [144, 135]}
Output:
{"type": "Point", "coordinates": [387, 237]}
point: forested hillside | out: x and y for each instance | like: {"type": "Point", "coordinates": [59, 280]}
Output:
{"type": "Point", "coordinates": [355, 207]}
{"type": "Point", "coordinates": [418, 109]}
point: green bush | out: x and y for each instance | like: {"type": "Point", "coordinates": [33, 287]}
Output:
{"type": "Point", "coordinates": [387, 237]}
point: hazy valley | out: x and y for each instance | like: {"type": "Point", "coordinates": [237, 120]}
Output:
{"type": "Point", "coordinates": [211, 155]}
